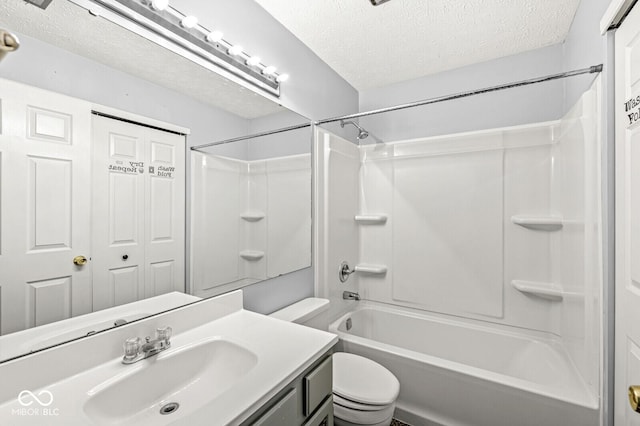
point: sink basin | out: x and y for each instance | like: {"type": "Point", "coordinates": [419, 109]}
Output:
{"type": "Point", "coordinates": [191, 376]}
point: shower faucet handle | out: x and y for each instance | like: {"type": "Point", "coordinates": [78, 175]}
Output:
{"type": "Point", "coordinates": [345, 271]}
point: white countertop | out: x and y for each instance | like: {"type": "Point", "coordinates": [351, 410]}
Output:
{"type": "Point", "coordinates": [284, 350]}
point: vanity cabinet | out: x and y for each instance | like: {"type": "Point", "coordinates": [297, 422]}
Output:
{"type": "Point", "coordinates": [306, 401]}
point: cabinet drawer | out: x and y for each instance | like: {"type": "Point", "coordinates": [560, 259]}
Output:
{"type": "Point", "coordinates": [317, 386]}
{"type": "Point", "coordinates": [284, 412]}
{"type": "Point", "coordinates": [324, 415]}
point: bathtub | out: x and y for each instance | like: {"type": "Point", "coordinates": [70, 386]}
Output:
{"type": "Point", "coordinates": [457, 372]}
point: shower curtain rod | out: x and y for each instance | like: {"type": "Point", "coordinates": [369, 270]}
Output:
{"type": "Point", "coordinates": [256, 135]}
{"type": "Point", "coordinates": [589, 70]}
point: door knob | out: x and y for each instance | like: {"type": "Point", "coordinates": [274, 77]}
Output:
{"type": "Point", "coordinates": [125, 257]}
{"type": "Point", "coordinates": [80, 260]}
{"type": "Point", "coordinates": [634, 398]}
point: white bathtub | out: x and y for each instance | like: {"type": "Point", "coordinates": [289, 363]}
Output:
{"type": "Point", "coordinates": [457, 372]}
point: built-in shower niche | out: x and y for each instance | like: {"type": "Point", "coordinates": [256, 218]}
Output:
{"type": "Point", "coordinates": [252, 219]}
{"type": "Point", "coordinates": [500, 226]}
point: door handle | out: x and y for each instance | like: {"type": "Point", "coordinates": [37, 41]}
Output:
{"type": "Point", "coordinates": [634, 398]}
{"type": "Point", "coordinates": [79, 260]}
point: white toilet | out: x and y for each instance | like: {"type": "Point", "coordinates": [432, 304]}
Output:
{"type": "Point", "coordinates": [364, 392]}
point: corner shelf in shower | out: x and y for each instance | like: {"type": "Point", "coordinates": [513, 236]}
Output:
{"type": "Point", "coordinates": [371, 219]}
{"type": "Point", "coordinates": [538, 223]}
{"type": "Point", "coordinates": [251, 254]}
{"type": "Point", "coordinates": [549, 291]}
{"type": "Point", "coordinates": [252, 216]}
{"type": "Point", "coordinates": [371, 269]}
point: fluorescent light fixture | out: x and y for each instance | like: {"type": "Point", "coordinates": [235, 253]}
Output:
{"type": "Point", "coordinates": [282, 78]}
{"type": "Point", "coordinates": [189, 21]}
{"type": "Point", "coordinates": [214, 36]}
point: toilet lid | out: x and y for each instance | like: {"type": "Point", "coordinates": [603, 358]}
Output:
{"type": "Point", "coordinates": [363, 380]}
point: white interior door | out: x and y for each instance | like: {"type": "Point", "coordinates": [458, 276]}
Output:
{"type": "Point", "coordinates": [138, 212]}
{"type": "Point", "coordinates": [627, 345]}
{"type": "Point", "coordinates": [45, 146]}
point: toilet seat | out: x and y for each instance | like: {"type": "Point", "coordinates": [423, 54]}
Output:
{"type": "Point", "coordinates": [354, 405]}
{"type": "Point", "coordinates": [363, 382]}
{"type": "Point", "coordinates": [358, 417]}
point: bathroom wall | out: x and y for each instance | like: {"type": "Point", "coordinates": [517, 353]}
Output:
{"type": "Point", "coordinates": [501, 225]}
{"type": "Point", "coordinates": [336, 185]}
{"type": "Point", "coordinates": [523, 105]}
{"type": "Point", "coordinates": [449, 243]}
{"type": "Point", "coordinates": [251, 220]}
{"type": "Point", "coordinates": [585, 45]}
{"type": "Point", "coordinates": [576, 194]}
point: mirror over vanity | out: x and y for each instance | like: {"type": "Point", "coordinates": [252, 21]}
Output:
{"type": "Point", "coordinates": [131, 188]}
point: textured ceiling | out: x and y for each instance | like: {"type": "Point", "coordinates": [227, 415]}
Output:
{"type": "Point", "coordinates": [405, 39]}
{"type": "Point", "coordinates": [72, 28]}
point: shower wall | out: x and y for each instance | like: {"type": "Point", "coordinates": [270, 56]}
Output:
{"type": "Point", "coordinates": [498, 225]}
{"type": "Point", "coordinates": [251, 220]}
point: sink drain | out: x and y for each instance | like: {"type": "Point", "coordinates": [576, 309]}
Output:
{"type": "Point", "coordinates": [169, 408]}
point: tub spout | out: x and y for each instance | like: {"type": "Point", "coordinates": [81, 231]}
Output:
{"type": "Point", "coordinates": [349, 295]}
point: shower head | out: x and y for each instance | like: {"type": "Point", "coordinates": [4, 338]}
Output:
{"type": "Point", "coordinates": [362, 133]}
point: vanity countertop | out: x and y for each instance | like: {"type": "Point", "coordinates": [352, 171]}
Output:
{"type": "Point", "coordinates": [265, 353]}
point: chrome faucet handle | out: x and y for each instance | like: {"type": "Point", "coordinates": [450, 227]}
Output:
{"type": "Point", "coordinates": [132, 347]}
{"type": "Point", "coordinates": [164, 333]}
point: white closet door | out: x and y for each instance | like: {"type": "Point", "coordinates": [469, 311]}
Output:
{"type": "Point", "coordinates": [138, 212]}
{"type": "Point", "coordinates": [627, 321]}
{"type": "Point", "coordinates": [165, 213]}
{"type": "Point", "coordinates": [45, 145]}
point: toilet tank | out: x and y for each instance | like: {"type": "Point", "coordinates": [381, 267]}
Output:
{"type": "Point", "coordinates": [312, 312]}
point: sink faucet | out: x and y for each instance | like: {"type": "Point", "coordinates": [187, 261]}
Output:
{"type": "Point", "coordinates": [135, 350]}
{"type": "Point", "coordinates": [349, 295]}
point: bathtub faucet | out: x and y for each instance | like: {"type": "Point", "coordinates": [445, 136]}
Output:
{"type": "Point", "coordinates": [349, 295]}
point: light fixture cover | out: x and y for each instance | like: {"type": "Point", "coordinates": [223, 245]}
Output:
{"type": "Point", "coordinates": [214, 36]}
{"type": "Point", "coordinates": [235, 50]}
{"type": "Point", "coordinates": [253, 61]}
{"type": "Point", "coordinates": [189, 21]}
{"type": "Point", "coordinates": [159, 4]}
{"type": "Point", "coordinates": [270, 70]}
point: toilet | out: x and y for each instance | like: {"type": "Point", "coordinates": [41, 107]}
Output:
{"type": "Point", "coordinates": [364, 392]}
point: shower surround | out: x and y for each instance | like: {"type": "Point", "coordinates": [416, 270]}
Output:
{"type": "Point", "coordinates": [500, 229]}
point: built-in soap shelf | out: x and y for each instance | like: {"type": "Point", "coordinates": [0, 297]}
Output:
{"type": "Point", "coordinates": [252, 216]}
{"type": "Point", "coordinates": [545, 290]}
{"type": "Point", "coordinates": [538, 223]}
{"type": "Point", "coordinates": [371, 269]}
{"type": "Point", "coordinates": [371, 219]}
{"type": "Point", "coordinates": [252, 254]}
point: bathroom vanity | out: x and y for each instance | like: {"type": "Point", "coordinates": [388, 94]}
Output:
{"type": "Point", "coordinates": [224, 366]}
